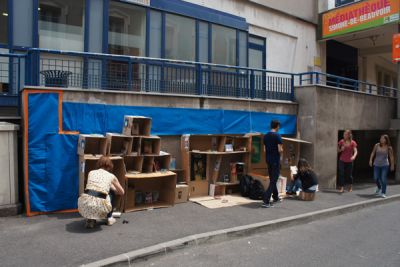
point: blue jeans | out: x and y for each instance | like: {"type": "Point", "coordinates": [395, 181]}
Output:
{"type": "Point", "coordinates": [345, 173]}
{"type": "Point", "coordinates": [380, 177]}
{"type": "Point", "coordinates": [294, 186]}
{"type": "Point", "coordinates": [273, 172]}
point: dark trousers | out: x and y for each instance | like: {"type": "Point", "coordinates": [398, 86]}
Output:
{"type": "Point", "coordinates": [273, 172]}
{"type": "Point", "coordinates": [111, 194]}
{"type": "Point", "coordinates": [345, 173]}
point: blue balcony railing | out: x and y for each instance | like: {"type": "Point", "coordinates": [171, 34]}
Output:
{"type": "Point", "coordinates": [346, 83]}
{"type": "Point", "coordinates": [126, 73]}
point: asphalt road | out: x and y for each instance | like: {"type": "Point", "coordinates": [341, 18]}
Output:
{"type": "Point", "coordinates": [367, 238]}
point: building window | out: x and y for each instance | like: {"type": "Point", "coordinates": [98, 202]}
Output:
{"type": "Point", "coordinates": [223, 45]}
{"type": "Point", "coordinates": [180, 38]}
{"type": "Point", "coordinates": [127, 30]}
{"type": "Point", "coordinates": [203, 42]}
{"type": "Point", "coordinates": [3, 22]}
{"type": "Point", "coordinates": [61, 24]}
{"type": "Point", "coordinates": [242, 49]}
{"type": "Point", "coordinates": [155, 34]}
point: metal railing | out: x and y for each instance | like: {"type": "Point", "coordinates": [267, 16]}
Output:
{"type": "Point", "coordinates": [10, 78]}
{"type": "Point", "coordinates": [313, 78]}
{"type": "Point", "coordinates": [41, 67]}
{"type": "Point", "coordinates": [143, 74]}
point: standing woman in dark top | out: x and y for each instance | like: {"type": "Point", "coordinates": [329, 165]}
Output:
{"type": "Point", "coordinates": [382, 152]}
{"type": "Point", "coordinates": [273, 151]}
{"type": "Point", "coordinates": [347, 149]}
{"type": "Point", "coordinates": [305, 177]}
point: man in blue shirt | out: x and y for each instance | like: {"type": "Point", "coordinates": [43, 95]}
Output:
{"type": "Point", "coordinates": [273, 152]}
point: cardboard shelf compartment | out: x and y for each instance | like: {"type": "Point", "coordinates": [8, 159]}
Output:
{"type": "Point", "coordinates": [150, 145]}
{"type": "Point", "coordinates": [118, 144]}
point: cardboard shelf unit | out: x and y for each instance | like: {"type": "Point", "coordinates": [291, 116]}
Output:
{"type": "Point", "coordinates": [209, 159]}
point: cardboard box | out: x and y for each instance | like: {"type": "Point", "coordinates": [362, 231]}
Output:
{"type": "Point", "coordinates": [93, 144]}
{"type": "Point", "coordinates": [181, 193]}
{"type": "Point", "coordinates": [136, 125]}
{"type": "Point", "coordinates": [281, 185]}
{"type": "Point", "coordinates": [150, 145]}
{"type": "Point", "coordinates": [198, 188]}
{"type": "Point", "coordinates": [161, 182]}
{"type": "Point", "coordinates": [307, 196]}
{"type": "Point", "coordinates": [118, 144]}
{"type": "Point", "coordinates": [136, 146]}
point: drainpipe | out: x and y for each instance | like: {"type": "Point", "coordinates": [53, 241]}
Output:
{"type": "Point", "coordinates": [397, 178]}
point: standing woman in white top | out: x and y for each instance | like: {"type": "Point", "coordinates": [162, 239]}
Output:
{"type": "Point", "coordinates": [95, 203]}
{"type": "Point", "coordinates": [383, 154]}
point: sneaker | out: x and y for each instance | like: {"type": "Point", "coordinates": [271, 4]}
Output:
{"type": "Point", "coordinates": [278, 200]}
{"type": "Point", "coordinates": [382, 195]}
{"type": "Point", "coordinates": [377, 192]}
{"type": "Point", "coordinates": [267, 205]}
{"type": "Point", "coordinates": [111, 221]}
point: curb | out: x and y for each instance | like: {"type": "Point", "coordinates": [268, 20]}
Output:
{"type": "Point", "coordinates": [235, 232]}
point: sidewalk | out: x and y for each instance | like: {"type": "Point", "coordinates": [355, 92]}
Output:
{"type": "Point", "coordinates": [61, 240]}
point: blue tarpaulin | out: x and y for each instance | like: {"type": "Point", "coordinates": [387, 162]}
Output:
{"type": "Point", "coordinates": [52, 157]}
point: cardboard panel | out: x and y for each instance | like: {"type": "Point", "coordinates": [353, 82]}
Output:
{"type": "Point", "coordinates": [93, 144]}
{"type": "Point", "coordinates": [119, 172]}
{"type": "Point", "coordinates": [148, 164]}
{"type": "Point", "coordinates": [87, 163]}
{"type": "Point", "coordinates": [136, 125]}
{"type": "Point", "coordinates": [181, 193]}
{"type": "Point", "coordinates": [118, 144]}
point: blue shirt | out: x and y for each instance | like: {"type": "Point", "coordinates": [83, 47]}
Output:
{"type": "Point", "coordinates": [271, 142]}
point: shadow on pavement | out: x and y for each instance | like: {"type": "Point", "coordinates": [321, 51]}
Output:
{"type": "Point", "coordinates": [78, 227]}
{"type": "Point", "coordinates": [65, 216]}
{"type": "Point", "coordinates": [368, 196]}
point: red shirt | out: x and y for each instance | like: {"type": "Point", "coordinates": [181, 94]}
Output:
{"type": "Point", "coordinates": [346, 155]}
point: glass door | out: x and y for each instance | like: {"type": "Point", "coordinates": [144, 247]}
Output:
{"type": "Point", "coordinates": [257, 59]}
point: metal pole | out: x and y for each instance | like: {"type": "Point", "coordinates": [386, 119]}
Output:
{"type": "Point", "coordinates": [397, 178]}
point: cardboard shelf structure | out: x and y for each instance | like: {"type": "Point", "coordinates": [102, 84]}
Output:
{"type": "Point", "coordinates": [140, 166]}
{"type": "Point", "coordinates": [212, 161]}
